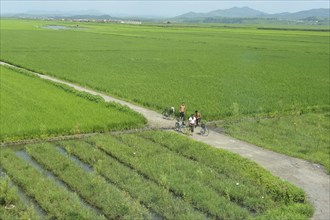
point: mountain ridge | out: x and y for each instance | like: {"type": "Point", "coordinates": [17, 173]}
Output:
{"type": "Point", "coordinates": [246, 12]}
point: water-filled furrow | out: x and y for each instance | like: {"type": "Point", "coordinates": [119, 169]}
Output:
{"type": "Point", "coordinates": [22, 154]}
{"type": "Point", "coordinates": [26, 200]}
{"type": "Point", "coordinates": [81, 164]}
{"type": "Point", "coordinates": [88, 168]}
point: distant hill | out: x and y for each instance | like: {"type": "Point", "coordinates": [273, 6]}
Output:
{"type": "Point", "coordinates": [84, 14]}
{"type": "Point", "coordinates": [235, 15]}
{"type": "Point", "coordinates": [236, 12]}
{"type": "Point", "coordinates": [246, 12]}
{"type": "Point", "coordinates": [230, 13]}
{"type": "Point", "coordinates": [321, 13]}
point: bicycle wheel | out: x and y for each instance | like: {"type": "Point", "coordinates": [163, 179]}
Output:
{"type": "Point", "coordinates": [177, 126]}
{"type": "Point", "coordinates": [205, 132]}
{"type": "Point", "coordinates": [165, 114]}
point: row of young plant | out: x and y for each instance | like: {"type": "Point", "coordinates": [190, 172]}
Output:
{"type": "Point", "coordinates": [11, 206]}
{"type": "Point", "coordinates": [261, 183]}
{"type": "Point", "coordinates": [234, 167]}
{"type": "Point", "coordinates": [155, 197]}
{"type": "Point", "coordinates": [235, 188]}
{"type": "Point", "coordinates": [183, 177]}
{"type": "Point", "coordinates": [89, 185]}
{"type": "Point", "coordinates": [169, 174]}
{"type": "Point", "coordinates": [56, 201]}
{"type": "Point", "coordinates": [214, 189]}
{"type": "Point", "coordinates": [230, 165]}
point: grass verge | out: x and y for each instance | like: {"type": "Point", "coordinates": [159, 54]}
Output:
{"type": "Point", "coordinates": [304, 136]}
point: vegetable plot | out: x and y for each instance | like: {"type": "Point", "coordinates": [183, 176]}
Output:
{"type": "Point", "coordinates": [155, 174]}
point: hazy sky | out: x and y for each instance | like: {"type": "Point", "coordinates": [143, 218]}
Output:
{"type": "Point", "coordinates": [157, 8]}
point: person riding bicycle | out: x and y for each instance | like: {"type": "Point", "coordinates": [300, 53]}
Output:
{"type": "Point", "coordinates": [198, 118]}
{"type": "Point", "coordinates": [182, 110]}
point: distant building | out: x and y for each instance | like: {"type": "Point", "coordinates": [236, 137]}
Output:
{"type": "Point", "coordinates": [130, 22]}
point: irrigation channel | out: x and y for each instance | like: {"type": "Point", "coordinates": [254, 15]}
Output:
{"type": "Point", "coordinates": [312, 178]}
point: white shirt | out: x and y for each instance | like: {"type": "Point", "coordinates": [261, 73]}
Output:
{"type": "Point", "coordinates": [192, 120]}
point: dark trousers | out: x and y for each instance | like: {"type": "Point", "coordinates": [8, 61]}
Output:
{"type": "Point", "coordinates": [182, 116]}
{"type": "Point", "coordinates": [192, 126]}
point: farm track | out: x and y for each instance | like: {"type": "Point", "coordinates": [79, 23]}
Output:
{"type": "Point", "coordinates": [312, 178]}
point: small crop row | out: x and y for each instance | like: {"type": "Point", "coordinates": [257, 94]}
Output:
{"type": "Point", "coordinates": [232, 189]}
{"type": "Point", "coordinates": [230, 185]}
{"type": "Point", "coordinates": [57, 202]}
{"type": "Point", "coordinates": [231, 165]}
{"type": "Point", "coordinates": [11, 206]}
{"type": "Point", "coordinates": [170, 171]}
{"type": "Point", "coordinates": [192, 175]}
{"type": "Point", "coordinates": [157, 198]}
{"type": "Point", "coordinates": [91, 186]}
{"type": "Point", "coordinates": [284, 196]}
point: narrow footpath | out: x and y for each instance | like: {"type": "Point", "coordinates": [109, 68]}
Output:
{"type": "Point", "coordinates": [312, 178]}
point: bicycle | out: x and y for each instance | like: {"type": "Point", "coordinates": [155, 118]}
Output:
{"type": "Point", "coordinates": [182, 127]}
{"type": "Point", "coordinates": [204, 130]}
{"type": "Point", "coordinates": [168, 113]}
{"type": "Point", "coordinates": [179, 125]}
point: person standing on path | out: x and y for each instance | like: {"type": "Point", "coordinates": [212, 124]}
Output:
{"type": "Point", "coordinates": [198, 118]}
{"type": "Point", "coordinates": [182, 110]}
{"type": "Point", "coordinates": [192, 121]}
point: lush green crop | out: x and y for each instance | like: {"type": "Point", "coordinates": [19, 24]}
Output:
{"type": "Point", "coordinates": [93, 188]}
{"type": "Point", "coordinates": [170, 175]}
{"type": "Point", "coordinates": [232, 167]}
{"type": "Point", "coordinates": [300, 135]}
{"type": "Point", "coordinates": [219, 71]}
{"type": "Point", "coordinates": [11, 206]}
{"type": "Point", "coordinates": [57, 202]}
{"type": "Point", "coordinates": [147, 191]}
{"type": "Point", "coordinates": [191, 174]}
{"type": "Point", "coordinates": [31, 107]}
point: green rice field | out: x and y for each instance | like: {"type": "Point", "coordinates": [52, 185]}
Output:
{"type": "Point", "coordinates": [35, 108]}
{"type": "Point", "coordinates": [149, 175]}
{"type": "Point", "coordinates": [267, 87]}
{"type": "Point", "coordinates": [303, 136]}
{"type": "Point", "coordinates": [225, 73]}
{"type": "Point", "coordinates": [214, 70]}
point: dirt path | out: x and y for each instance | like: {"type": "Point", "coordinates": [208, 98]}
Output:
{"type": "Point", "coordinates": [310, 177]}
